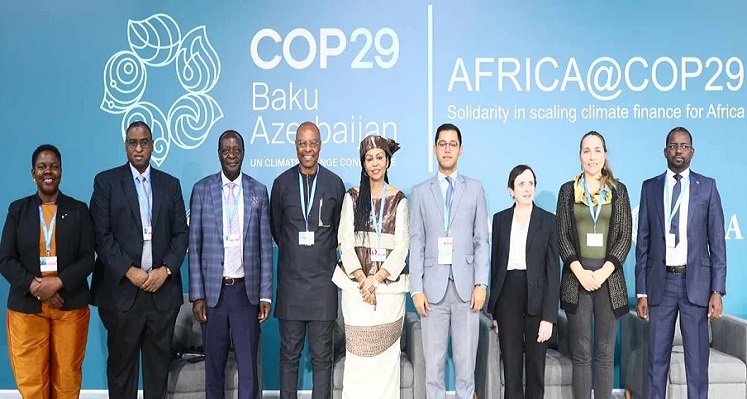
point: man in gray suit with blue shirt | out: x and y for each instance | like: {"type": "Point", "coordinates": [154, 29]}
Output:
{"type": "Point", "coordinates": [230, 267]}
{"type": "Point", "coordinates": [449, 265]}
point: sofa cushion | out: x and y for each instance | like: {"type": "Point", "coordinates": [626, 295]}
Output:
{"type": "Point", "coordinates": [722, 368]}
{"type": "Point", "coordinates": [406, 372]}
{"type": "Point", "coordinates": [187, 375]}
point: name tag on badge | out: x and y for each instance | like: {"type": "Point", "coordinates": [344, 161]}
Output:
{"type": "Point", "coordinates": [670, 240]}
{"type": "Point", "coordinates": [147, 233]}
{"type": "Point", "coordinates": [445, 249]}
{"type": "Point", "coordinates": [378, 254]}
{"type": "Point", "coordinates": [594, 240]}
{"type": "Point", "coordinates": [232, 240]}
{"type": "Point", "coordinates": [306, 238]}
{"type": "Point", "coordinates": [48, 264]}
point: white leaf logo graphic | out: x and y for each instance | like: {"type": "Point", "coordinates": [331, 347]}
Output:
{"type": "Point", "coordinates": [197, 65]}
{"type": "Point", "coordinates": [191, 118]}
{"type": "Point", "coordinates": [157, 42]}
{"type": "Point", "coordinates": [125, 78]}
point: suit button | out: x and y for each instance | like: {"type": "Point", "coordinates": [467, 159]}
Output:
{"type": "Point", "coordinates": [221, 263]}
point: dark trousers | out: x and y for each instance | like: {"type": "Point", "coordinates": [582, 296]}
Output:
{"type": "Point", "coordinates": [518, 339]}
{"type": "Point", "coordinates": [142, 329]}
{"type": "Point", "coordinates": [232, 320]}
{"type": "Point", "coordinates": [292, 336]}
{"type": "Point", "coordinates": [694, 328]}
{"type": "Point", "coordinates": [596, 304]}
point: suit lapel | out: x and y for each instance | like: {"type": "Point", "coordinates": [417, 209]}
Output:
{"type": "Point", "coordinates": [506, 223]}
{"type": "Point", "coordinates": [216, 194]}
{"type": "Point", "coordinates": [459, 191]}
{"type": "Point", "coordinates": [694, 192]}
{"type": "Point", "coordinates": [128, 187]}
{"type": "Point", "coordinates": [246, 191]}
{"type": "Point", "coordinates": [659, 188]}
{"type": "Point", "coordinates": [534, 226]}
{"type": "Point", "coordinates": [437, 196]}
{"type": "Point", "coordinates": [157, 193]}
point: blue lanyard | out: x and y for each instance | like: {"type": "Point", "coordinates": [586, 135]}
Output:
{"type": "Point", "coordinates": [307, 212]}
{"type": "Point", "coordinates": [230, 214]}
{"type": "Point", "coordinates": [380, 222]}
{"type": "Point", "coordinates": [47, 230]}
{"type": "Point", "coordinates": [148, 199]}
{"type": "Point", "coordinates": [669, 212]}
{"type": "Point", "coordinates": [594, 212]}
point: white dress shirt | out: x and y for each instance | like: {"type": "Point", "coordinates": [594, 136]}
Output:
{"type": "Point", "coordinates": [677, 256]}
{"type": "Point", "coordinates": [517, 249]}
{"type": "Point", "coordinates": [235, 271]}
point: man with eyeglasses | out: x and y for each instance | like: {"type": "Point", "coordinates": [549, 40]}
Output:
{"type": "Point", "coordinates": [680, 265]}
{"type": "Point", "coordinates": [230, 267]}
{"type": "Point", "coordinates": [141, 238]}
{"type": "Point", "coordinates": [449, 268]}
{"type": "Point", "coordinates": [305, 210]}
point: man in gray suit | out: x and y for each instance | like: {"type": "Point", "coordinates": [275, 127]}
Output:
{"type": "Point", "coordinates": [449, 265]}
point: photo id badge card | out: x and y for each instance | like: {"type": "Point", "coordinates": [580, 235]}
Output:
{"type": "Point", "coordinates": [48, 264]}
{"type": "Point", "coordinates": [445, 248]}
{"type": "Point", "coordinates": [378, 254]}
{"type": "Point", "coordinates": [232, 240]}
{"type": "Point", "coordinates": [147, 233]}
{"type": "Point", "coordinates": [594, 240]}
{"type": "Point", "coordinates": [306, 238]}
{"type": "Point", "coordinates": [670, 240]}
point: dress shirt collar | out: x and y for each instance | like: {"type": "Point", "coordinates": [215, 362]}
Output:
{"type": "Point", "coordinates": [136, 174]}
{"type": "Point", "coordinates": [442, 177]}
{"type": "Point", "coordinates": [225, 180]}
{"type": "Point", "coordinates": [685, 174]}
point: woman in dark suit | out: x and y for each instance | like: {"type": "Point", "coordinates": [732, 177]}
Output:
{"type": "Point", "coordinates": [46, 254]}
{"type": "Point", "coordinates": [525, 285]}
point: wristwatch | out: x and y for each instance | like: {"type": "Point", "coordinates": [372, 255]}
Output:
{"type": "Point", "coordinates": [167, 270]}
{"type": "Point", "coordinates": [485, 287]}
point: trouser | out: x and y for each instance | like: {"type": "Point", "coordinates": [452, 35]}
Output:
{"type": "Point", "coordinates": [596, 304]}
{"type": "Point", "coordinates": [292, 337]}
{"type": "Point", "coordinates": [518, 332]}
{"type": "Point", "coordinates": [46, 351]}
{"type": "Point", "coordinates": [142, 329]}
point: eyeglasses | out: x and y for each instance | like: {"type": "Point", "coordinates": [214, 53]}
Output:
{"type": "Point", "coordinates": [308, 144]}
{"type": "Point", "coordinates": [134, 143]}
{"type": "Point", "coordinates": [682, 146]}
{"type": "Point", "coordinates": [227, 151]}
{"type": "Point", "coordinates": [453, 145]}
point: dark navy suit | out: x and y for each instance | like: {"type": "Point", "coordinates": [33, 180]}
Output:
{"type": "Point", "coordinates": [689, 295]}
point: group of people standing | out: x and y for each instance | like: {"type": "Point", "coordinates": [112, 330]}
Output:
{"type": "Point", "coordinates": [136, 224]}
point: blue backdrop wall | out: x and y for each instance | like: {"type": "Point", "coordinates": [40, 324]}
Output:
{"type": "Point", "coordinates": [522, 80]}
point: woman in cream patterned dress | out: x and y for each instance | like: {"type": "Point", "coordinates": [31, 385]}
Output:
{"type": "Point", "coordinates": [374, 240]}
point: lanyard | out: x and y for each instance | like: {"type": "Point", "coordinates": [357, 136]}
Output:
{"type": "Point", "coordinates": [669, 212]}
{"type": "Point", "coordinates": [594, 212]}
{"type": "Point", "coordinates": [231, 213]}
{"type": "Point", "coordinates": [147, 192]}
{"type": "Point", "coordinates": [47, 230]}
{"type": "Point", "coordinates": [380, 222]}
{"type": "Point", "coordinates": [307, 212]}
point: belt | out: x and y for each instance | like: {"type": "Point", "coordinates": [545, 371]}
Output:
{"type": "Point", "coordinates": [232, 280]}
{"type": "Point", "coordinates": [677, 270]}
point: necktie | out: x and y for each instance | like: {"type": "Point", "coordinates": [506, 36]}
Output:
{"type": "Point", "coordinates": [146, 260]}
{"type": "Point", "coordinates": [233, 253]}
{"type": "Point", "coordinates": [449, 194]}
{"type": "Point", "coordinates": [675, 226]}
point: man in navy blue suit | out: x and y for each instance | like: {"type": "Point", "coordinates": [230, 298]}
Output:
{"type": "Point", "coordinates": [230, 267]}
{"type": "Point", "coordinates": [680, 264]}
